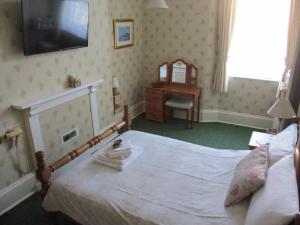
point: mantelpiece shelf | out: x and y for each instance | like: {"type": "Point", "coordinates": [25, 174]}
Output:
{"type": "Point", "coordinates": [57, 99]}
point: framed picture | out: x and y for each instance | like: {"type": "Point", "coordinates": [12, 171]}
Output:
{"type": "Point", "coordinates": [123, 33]}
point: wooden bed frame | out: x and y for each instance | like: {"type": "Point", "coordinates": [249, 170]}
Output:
{"type": "Point", "coordinates": [44, 171]}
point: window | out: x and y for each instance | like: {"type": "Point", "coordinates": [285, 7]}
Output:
{"type": "Point", "coordinates": [259, 41]}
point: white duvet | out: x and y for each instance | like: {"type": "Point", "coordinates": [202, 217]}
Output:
{"type": "Point", "coordinates": [171, 183]}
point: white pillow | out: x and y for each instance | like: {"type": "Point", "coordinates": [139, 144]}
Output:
{"type": "Point", "coordinates": [276, 203]}
{"type": "Point", "coordinates": [283, 144]}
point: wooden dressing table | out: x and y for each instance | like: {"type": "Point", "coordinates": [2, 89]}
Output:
{"type": "Point", "coordinates": [184, 83]}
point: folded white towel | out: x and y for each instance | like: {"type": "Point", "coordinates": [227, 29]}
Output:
{"type": "Point", "coordinates": [123, 151]}
{"type": "Point", "coordinates": [118, 155]}
{"type": "Point", "coordinates": [120, 164]}
{"type": "Point", "coordinates": [117, 162]}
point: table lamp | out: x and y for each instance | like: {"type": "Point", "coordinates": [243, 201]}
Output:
{"type": "Point", "coordinates": [115, 84]}
{"type": "Point", "coordinates": [282, 108]}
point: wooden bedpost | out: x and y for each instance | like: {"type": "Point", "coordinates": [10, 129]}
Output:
{"type": "Point", "coordinates": [43, 172]}
{"type": "Point", "coordinates": [127, 118]}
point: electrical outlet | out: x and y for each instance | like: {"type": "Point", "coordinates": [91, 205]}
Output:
{"type": "Point", "coordinates": [70, 135]}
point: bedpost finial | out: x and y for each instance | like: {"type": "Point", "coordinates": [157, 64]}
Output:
{"type": "Point", "coordinates": [40, 158]}
{"type": "Point", "coordinates": [127, 118]}
{"type": "Point", "coordinates": [126, 109]}
{"type": "Point", "coordinates": [43, 172]}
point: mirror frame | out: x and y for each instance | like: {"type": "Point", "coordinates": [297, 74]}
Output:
{"type": "Point", "coordinates": [192, 66]}
{"type": "Point", "coordinates": [168, 73]}
{"type": "Point", "coordinates": [186, 75]}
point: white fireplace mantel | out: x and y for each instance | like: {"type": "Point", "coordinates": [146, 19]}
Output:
{"type": "Point", "coordinates": [27, 185]}
{"type": "Point", "coordinates": [38, 106]}
{"type": "Point", "coordinates": [32, 110]}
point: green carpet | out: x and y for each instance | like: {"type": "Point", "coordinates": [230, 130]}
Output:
{"type": "Point", "coordinates": [214, 135]}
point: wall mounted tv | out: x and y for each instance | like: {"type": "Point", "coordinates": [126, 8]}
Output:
{"type": "Point", "coordinates": [52, 25]}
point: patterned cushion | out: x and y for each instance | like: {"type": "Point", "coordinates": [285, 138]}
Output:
{"type": "Point", "coordinates": [249, 176]}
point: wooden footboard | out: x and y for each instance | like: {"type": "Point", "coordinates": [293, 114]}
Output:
{"type": "Point", "coordinates": [44, 171]}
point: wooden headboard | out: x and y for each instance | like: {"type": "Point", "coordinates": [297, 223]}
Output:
{"type": "Point", "coordinates": [297, 168]}
{"type": "Point", "coordinates": [297, 156]}
{"type": "Point", "coordinates": [44, 171]}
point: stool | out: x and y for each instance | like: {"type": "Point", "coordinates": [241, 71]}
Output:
{"type": "Point", "coordinates": [180, 104]}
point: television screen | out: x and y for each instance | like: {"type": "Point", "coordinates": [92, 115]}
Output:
{"type": "Point", "coordinates": [52, 25]}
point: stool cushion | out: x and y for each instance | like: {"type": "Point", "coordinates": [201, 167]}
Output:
{"type": "Point", "coordinates": [179, 103]}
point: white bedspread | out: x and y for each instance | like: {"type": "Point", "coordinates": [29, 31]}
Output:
{"type": "Point", "coordinates": [171, 183]}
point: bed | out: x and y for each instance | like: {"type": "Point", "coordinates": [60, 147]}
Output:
{"type": "Point", "coordinates": [172, 182]}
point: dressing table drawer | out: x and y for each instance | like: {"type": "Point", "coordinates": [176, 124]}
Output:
{"type": "Point", "coordinates": [154, 92]}
{"type": "Point", "coordinates": [154, 104]}
{"type": "Point", "coordinates": [154, 99]}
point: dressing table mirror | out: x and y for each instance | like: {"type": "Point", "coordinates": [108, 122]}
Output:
{"type": "Point", "coordinates": [163, 70]}
{"type": "Point", "coordinates": [179, 72]}
{"type": "Point", "coordinates": [194, 75]}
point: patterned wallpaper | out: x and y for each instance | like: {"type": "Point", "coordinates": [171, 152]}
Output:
{"type": "Point", "coordinates": [127, 63]}
{"type": "Point", "coordinates": [189, 31]}
{"type": "Point", "coordinates": [185, 31]}
{"type": "Point", "coordinates": [249, 96]}
{"type": "Point", "coordinates": [66, 117]}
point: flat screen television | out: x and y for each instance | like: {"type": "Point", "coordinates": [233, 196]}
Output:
{"type": "Point", "coordinates": [52, 25]}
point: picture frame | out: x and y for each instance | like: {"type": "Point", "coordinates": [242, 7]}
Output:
{"type": "Point", "coordinates": [123, 33]}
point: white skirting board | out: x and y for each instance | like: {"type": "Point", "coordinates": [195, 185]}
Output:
{"type": "Point", "coordinates": [17, 192]}
{"type": "Point", "coordinates": [240, 119]}
{"type": "Point", "coordinates": [228, 117]}
{"type": "Point", "coordinates": [246, 120]}
{"type": "Point", "coordinates": [28, 185]}
{"type": "Point", "coordinates": [134, 111]}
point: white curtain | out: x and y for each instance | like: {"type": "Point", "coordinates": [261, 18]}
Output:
{"type": "Point", "coordinates": [293, 41]}
{"type": "Point", "coordinates": [226, 16]}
